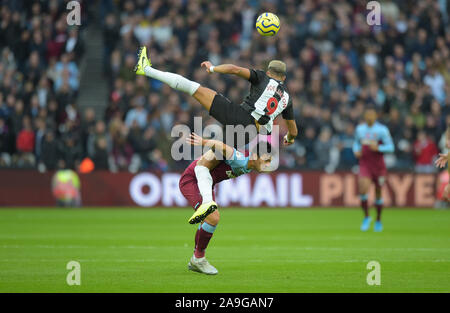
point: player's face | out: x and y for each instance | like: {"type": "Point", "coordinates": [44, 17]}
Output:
{"type": "Point", "coordinates": [370, 116]}
{"type": "Point", "coordinates": [263, 163]}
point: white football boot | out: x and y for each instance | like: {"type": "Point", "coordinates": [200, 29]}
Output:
{"type": "Point", "coordinates": [201, 265]}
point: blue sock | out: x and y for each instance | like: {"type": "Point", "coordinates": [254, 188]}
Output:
{"type": "Point", "coordinates": [208, 228]}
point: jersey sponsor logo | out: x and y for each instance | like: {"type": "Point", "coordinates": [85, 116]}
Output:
{"type": "Point", "coordinates": [230, 174]}
{"type": "Point", "coordinates": [272, 105]}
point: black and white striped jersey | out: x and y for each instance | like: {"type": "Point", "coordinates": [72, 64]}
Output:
{"type": "Point", "coordinates": [268, 98]}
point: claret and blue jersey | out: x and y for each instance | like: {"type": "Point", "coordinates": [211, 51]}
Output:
{"type": "Point", "coordinates": [379, 133]}
{"type": "Point", "coordinates": [371, 163]}
{"type": "Point", "coordinates": [238, 163]}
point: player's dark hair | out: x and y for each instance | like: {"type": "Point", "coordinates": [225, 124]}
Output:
{"type": "Point", "coordinates": [262, 147]}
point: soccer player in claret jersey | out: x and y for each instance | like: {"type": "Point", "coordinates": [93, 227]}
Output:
{"type": "Point", "coordinates": [197, 184]}
{"type": "Point", "coordinates": [443, 160]}
{"type": "Point", "coordinates": [267, 99]}
{"type": "Point", "coordinates": [372, 140]}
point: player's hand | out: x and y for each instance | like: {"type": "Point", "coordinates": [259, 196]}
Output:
{"type": "Point", "coordinates": [358, 154]}
{"type": "Point", "coordinates": [441, 161]}
{"type": "Point", "coordinates": [287, 142]}
{"type": "Point", "coordinates": [195, 140]}
{"type": "Point", "coordinates": [374, 146]}
{"type": "Point", "coordinates": [207, 65]}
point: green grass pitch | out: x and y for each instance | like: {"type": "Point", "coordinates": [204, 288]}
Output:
{"type": "Point", "coordinates": [268, 250]}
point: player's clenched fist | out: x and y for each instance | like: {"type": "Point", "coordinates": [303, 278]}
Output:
{"type": "Point", "coordinates": [288, 142]}
{"type": "Point", "coordinates": [208, 66]}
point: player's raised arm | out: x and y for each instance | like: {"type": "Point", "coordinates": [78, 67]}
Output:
{"type": "Point", "coordinates": [215, 145]}
{"type": "Point", "coordinates": [227, 69]}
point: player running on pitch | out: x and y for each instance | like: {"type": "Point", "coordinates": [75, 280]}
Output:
{"type": "Point", "coordinates": [197, 184]}
{"type": "Point", "coordinates": [372, 140]}
{"type": "Point", "coordinates": [267, 99]}
{"type": "Point", "coordinates": [443, 160]}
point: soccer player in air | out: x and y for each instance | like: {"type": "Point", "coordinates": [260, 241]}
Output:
{"type": "Point", "coordinates": [267, 99]}
{"type": "Point", "coordinates": [443, 160]}
{"type": "Point", "coordinates": [220, 163]}
{"type": "Point", "coordinates": [372, 140]}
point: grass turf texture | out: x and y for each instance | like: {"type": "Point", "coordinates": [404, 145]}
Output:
{"type": "Point", "coordinates": [272, 250]}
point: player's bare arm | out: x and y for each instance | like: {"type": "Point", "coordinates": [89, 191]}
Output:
{"type": "Point", "coordinates": [215, 145]}
{"type": "Point", "coordinates": [292, 133]}
{"type": "Point", "coordinates": [227, 69]}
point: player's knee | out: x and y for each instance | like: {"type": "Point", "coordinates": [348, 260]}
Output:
{"type": "Point", "coordinates": [203, 92]}
{"type": "Point", "coordinates": [205, 96]}
{"type": "Point", "coordinates": [363, 185]}
{"type": "Point", "coordinates": [362, 188]}
{"type": "Point", "coordinates": [201, 162]}
{"type": "Point", "coordinates": [213, 218]}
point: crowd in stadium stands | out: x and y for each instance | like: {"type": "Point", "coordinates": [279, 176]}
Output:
{"type": "Point", "coordinates": [39, 80]}
{"type": "Point", "coordinates": [337, 66]}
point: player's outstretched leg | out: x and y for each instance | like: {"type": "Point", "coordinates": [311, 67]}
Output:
{"type": "Point", "coordinates": [143, 67]}
{"type": "Point", "coordinates": [198, 262]}
{"type": "Point", "coordinates": [202, 94]}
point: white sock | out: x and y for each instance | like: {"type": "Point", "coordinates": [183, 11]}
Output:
{"type": "Point", "coordinates": [175, 81]}
{"type": "Point", "coordinates": [204, 182]}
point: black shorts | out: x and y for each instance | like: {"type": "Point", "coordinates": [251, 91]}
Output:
{"type": "Point", "coordinates": [229, 113]}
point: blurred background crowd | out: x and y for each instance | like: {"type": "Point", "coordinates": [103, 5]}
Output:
{"type": "Point", "coordinates": [337, 66]}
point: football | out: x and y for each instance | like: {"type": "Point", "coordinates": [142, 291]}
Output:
{"type": "Point", "coordinates": [268, 24]}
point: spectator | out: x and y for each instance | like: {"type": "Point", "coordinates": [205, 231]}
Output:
{"type": "Point", "coordinates": [98, 134]}
{"type": "Point", "coordinates": [100, 157]}
{"type": "Point", "coordinates": [50, 152]}
{"type": "Point", "coordinates": [25, 144]}
{"type": "Point", "coordinates": [66, 73]}
{"type": "Point", "coordinates": [5, 144]}
{"type": "Point", "coordinates": [338, 66]}
{"type": "Point", "coordinates": [424, 152]}
{"type": "Point", "coordinates": [322, 148]}
{"type": "Point", "coordinates": [345, 145]}
{"type": "Point", "coordinates": [138, 114]}
{"type": "Point", "coordinates": [70, 152]}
